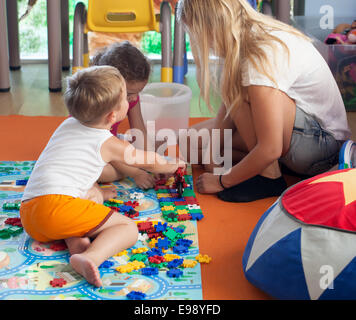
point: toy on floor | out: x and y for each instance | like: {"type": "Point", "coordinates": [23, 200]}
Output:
{"type": "Point", "coordinates": [136, 295]}
{"type": "Point", "coordinates": [179, 181]}
{"type": "Point", "coordinates": [303, 247]}
{"type": "Point", "coordinates": [58, 282]}
{"type": "Point", "coordinates": [28, 266]}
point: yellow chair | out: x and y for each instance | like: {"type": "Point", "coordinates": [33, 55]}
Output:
{"type": "Point", "coordinates": [121, 16]}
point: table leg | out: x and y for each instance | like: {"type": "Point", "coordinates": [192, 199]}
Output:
{"type": "Point", "coordinates": [65, 34]}
{"type": "Point", "coordinates": [4, 58]}
{"type": "Point", "coordinates": [54, 45]}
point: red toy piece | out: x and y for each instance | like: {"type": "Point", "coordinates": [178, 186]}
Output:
{"type": "Point", "coordinates": [144, 226]}
{"type": "Point", "coordinates": [58, 282]}
{"type": "Point", "coordinates": [58, 246]}
{"type": "Point", "coordinates": [184, 217]}
{"type": "Point", "coordinates": [191, 200]}
{"type": "Point", "coordinates": [156, 259]}
{"type": "Point", "coordinates": [132, 213]}
{"type": "Point", "coordinates": [132, 204]}
{"type": "Point", "coordinates": [180, 203]}
{"type": "Point", "coordinates": [154, 235]}
{"type": "Point", "coordinates": [14, 222]}
{"type": "Point", "coordinates": [161, 182]}
{"type": "Point", "coordinates": [179, 181]}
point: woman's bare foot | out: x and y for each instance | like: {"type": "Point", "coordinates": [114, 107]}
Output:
{"type": "Point", "coordinates": [77, 245]}
{"type": "Point", "coordinates": [85, 267]}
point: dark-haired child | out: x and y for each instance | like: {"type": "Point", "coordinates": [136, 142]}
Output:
{"type": "Point", "coordinates": [136, 69]}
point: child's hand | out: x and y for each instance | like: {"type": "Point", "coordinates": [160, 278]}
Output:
{"type": "Point", "coordinates": [144, 180]}
{"type": "Point", "coordinates": [178, 163]}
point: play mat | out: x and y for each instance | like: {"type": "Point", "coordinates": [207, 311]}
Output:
{"type": "Point", "coordinates": [164, 263]}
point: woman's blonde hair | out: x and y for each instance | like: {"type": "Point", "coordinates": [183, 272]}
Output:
{"type": "Point", "coordinates": [93, 92]}
{"type": "Point", "coordinates": [235, 32]}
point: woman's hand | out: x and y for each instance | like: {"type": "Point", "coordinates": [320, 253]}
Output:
{"type": "Point", "coordinates": [208, 183]}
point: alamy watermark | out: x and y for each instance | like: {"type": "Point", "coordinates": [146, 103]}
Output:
{"type": "Point", "coordinates": [326, 281]}
{"type": "Point", "coordinates": [210, 146]}
{"type": "Point", "coordinates": [327, 19]}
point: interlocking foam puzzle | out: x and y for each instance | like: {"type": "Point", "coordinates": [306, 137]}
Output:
{"type": "Point", "coordinates": [28, 267]}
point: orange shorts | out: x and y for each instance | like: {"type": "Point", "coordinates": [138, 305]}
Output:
{"type": "Point", "coordinates": [54, 217]}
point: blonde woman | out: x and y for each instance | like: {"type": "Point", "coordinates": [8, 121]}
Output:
{"type": "Point", "coordinates": [279, 98]}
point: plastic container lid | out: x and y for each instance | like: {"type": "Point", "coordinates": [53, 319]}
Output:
{"type": "Point", "coordinates": [163, 92]}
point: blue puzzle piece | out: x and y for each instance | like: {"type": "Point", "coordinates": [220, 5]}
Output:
{"type": "Point", "coordinates": [161, 227]}
{"type": "Point", "coordinates": [184, 242]}
{"type": "Point", "coordinates": [163, 243]}
{"type": "Point", "coordinates": [180, 249]}
{"type": "Point", "coordinates": [136, 295]}
{"type": "Point", "coordinates": [174, 273]}
{"type": "Point", "coordinates": [149, 271]}
{"type": "Point", "coordinates": [175, 263]}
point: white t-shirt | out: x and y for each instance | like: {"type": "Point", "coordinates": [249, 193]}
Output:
{"type": "Point", "coordinates": [70, 163]}
{"type": "Point", "coordinates": [306, 78]}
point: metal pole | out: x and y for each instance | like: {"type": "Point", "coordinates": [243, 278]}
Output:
{"type": "Point", "coordinates": [78, 36]}
{"type": "Point", "coordinates": [166, 42]}
{"type": "Point", "coordinates": [4, 58]}
{"type": "Point", "coordinates": [65, 34]}
{"type": "Point", "coordinates": [54, 45]}
{"type": "Point", "coordinates": [13, 34]}
{"type": "Point", "coordinates": [178, 51]}
{"type": "Point", "coordinates": [283, 9]}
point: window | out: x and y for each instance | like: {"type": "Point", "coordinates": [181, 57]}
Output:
{"type": "Point", "coordinates": [33, 33]}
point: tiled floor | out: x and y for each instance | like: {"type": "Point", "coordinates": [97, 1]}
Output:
{"type": "Point", "coordinates": [29, 94]}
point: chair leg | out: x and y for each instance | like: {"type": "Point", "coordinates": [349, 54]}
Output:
{"type": "Point", "coordinates": [78, 36]}
{"type": "Point", "coordinates": [85, 50]}
{"type": "Point", "coordinates": [54, 46]}
{"type": "Point", "coordinates": [185, 55]}
{"type": "Point", "coordinates": [166, 43]}
{"type": "Point", "coordinates": [65, 34]}
{"type": "Point", "coordinates": [178, 51]}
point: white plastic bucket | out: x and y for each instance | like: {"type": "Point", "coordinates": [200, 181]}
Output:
{"type": "Point", "coordinates": [166, 103]}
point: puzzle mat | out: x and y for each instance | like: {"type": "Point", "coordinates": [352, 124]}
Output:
{"type": "Point", "coordinates": [27, 266]}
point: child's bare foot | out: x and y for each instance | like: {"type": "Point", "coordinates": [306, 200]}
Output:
{"type": "Point", "coordinates": [99, 195]}
{"type": "Point", "coordinates": [108, 193]}
{"type": "Point", "coordinates": [77, 245]}
{"type": "Point", "coordinates": [85, 267]}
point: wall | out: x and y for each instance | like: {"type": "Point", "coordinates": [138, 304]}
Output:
{"type": "Point", "coordinates": [342, 8]}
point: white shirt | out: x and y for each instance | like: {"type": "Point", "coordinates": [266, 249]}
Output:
{"type": "Point", "coordinates": [70, 163]}
{"type": "Point", "coordinates": [306, 79]}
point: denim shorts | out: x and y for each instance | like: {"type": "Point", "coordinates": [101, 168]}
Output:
{"type": "Point", "coordinates": [312, 150]}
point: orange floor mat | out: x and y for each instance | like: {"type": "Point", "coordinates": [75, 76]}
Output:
{"type": "Point", "coordinates": [223, 233]}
